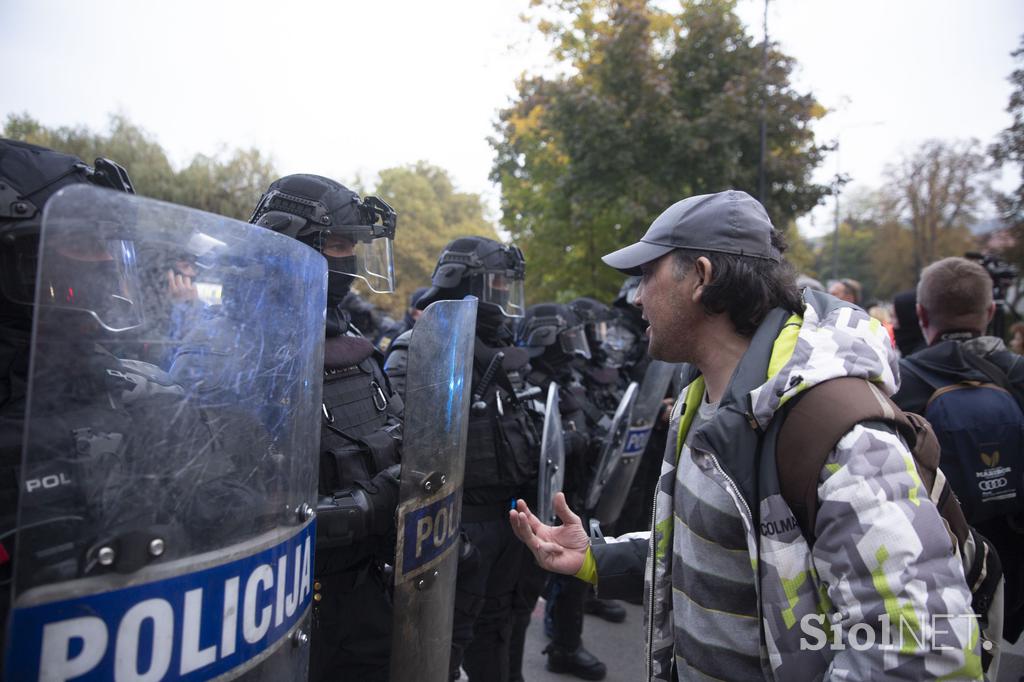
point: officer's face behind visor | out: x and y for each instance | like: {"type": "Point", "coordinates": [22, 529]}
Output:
{"type": "Point", "coordinates": [92, 275]}
{"type": "Point", "coordinates": [501, 289]}
{"type": "Point", "coordinates": [367, 258]}
{"type": "Point", "coordinates": [574, 342]}
{"type": "Point", "coordinates": [616, 341]}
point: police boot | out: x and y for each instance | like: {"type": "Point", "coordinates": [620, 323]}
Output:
{"type": "Point", "coordinates": [578, 662]}
{"type": "Point", "coordinates": [611, 611]}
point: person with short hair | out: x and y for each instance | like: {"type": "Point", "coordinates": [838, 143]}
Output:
{"type": "Point", "coordinates": [731, 586]}
{"type": "Point", "coordinates": [954, 306]}
{"type": "Point", "coordinates": [848, 290]}
{"type": "Point", "coordinates": [1017, 338]}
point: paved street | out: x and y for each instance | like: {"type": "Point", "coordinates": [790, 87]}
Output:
{"type": "Point", "coordinates": [620, 646]}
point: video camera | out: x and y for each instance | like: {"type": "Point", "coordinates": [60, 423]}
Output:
{"type": "Point", "coordinates": [1003, 275]}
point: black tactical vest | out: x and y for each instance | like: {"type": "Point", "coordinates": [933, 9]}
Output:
{"type": "Point", "coordinates": [502, 447]}
{"type": "Point", "coordinates": [359, 414]}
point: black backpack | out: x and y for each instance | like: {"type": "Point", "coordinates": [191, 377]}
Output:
{"type": "Point", "coordinates": [980, 427]}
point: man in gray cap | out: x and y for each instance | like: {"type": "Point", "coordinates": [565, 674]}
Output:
{"type": "Point", "coordinates": [734, 588]}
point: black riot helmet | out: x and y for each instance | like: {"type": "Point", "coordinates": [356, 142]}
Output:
{"type": "Point", "coordinates": [627, 292]}
{"type": "Point", "coordinates": [625, 305]}
{"type": "Point", "coordinates": [613, 340]}
{"type": "Point", "coordinates": [29, 176]}
{"type": "Point", "coordinates": [554, 331]}
{"type": "Point", "coordinates": [481, 267]}
{"type": "Point", "coordinates": [354, 235]}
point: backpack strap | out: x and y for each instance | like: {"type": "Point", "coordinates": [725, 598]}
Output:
{"type": "Point", "coordinates": [813, 426]}
{"type": "Point", "coordinates": [814, 422]}
{"type": "Point", "coordinates": [995, 375]}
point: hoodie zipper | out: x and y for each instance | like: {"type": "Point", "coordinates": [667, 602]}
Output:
{"type": "Point", "coordinates": [732, 483]}
{"type": "Point", "coordinates": [650, 596]}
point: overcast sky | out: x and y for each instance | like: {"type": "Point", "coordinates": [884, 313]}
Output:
{"type": "Point", "coordinates": [347, 88]}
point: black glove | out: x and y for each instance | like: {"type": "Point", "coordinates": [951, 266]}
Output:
{"type": "Point", "coordinates": [382, 493]}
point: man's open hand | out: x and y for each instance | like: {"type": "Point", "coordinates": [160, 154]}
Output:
{"type": "Point", "coordinates": [559, 549]}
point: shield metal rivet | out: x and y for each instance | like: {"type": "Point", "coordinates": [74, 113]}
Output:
{"type": "Point", "coordinates": [156, 546]}
{"type": "Point", "coordinates": [105, 556]}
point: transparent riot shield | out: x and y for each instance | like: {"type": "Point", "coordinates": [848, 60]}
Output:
{"type": "Point", "coordinates": [165, 523]}
{"type": "Point", "coordinates": [551, 473]}
{"type": "Point", "coordinates": [430, 508]}
{"type": "Point", "coordinates": [649, 398]}
{"type": "Point", "coordinates": [611, 450]}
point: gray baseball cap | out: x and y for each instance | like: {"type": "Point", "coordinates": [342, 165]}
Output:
{"type": "Point", "coordinates": [726, 222]}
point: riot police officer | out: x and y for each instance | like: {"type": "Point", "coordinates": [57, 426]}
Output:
{"type": "Point", "coordinates": [611, 348]}
{"type": "Point", "coordinates": [639, 503]}
{"type": "Point", "coordinates": [502, 448]}
{"type": "Point", "coordinates": [29, 176]}
{"type": "Point", "coordinates": [126, 479]}
{"type": "Point", "coordinates": [554, 337]}
{"type": "Point", "coordinates": [360, 433]}
{"type": "Point", "coordinates": [629, 317]}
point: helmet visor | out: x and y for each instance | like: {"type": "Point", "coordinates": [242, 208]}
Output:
{"type": "Point", "coordinates": [574, 342]}
{"type": "Point", "coordinates": [94, 275]}
{"type": "Point", "coordinates": [502, 290]}
{"type": "Point", "coordinates": [371, 260]}
{"type": "Point", "coordinates": [617, 342]}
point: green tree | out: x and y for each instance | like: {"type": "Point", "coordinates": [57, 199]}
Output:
{"type": "Point", "coordinates": [229, 183]}
{"type": "Point", "coordinates": [800, 253]}
{"type": "Point", "coordinates": [653, 107]}
{"type": "Point", "coordinates": [877, 241]}
{"type": "Point", "coordinates": [431, 213]}
{"type": "Point", "coordinates": [935, 190]}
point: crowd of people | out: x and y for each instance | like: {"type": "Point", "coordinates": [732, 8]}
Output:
{"type": "Point", "coordinates": [753, 556]}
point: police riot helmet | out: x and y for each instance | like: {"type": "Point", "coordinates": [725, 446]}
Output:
{"type": "Point", "coordinates": [627, 292]}
{"type": "Point", "coordinates": [29, 176]}
{"type": "Point", "coordinates": [552, 328]}
{"type": "Point", "coordinates": [354, 234]}
{"type": "Point", "coordinates": [415, 296]}
{"type": "Point", "coordinates": [477, 266]}
{"type": "Point", "coordinates": [625, 305]}
{"type": "Point", "coordinates": [612, 339]}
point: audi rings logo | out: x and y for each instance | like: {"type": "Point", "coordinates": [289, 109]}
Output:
{"type": "Point", "coordinates": [992, 484]}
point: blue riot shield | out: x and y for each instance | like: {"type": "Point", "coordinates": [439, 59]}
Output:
{"type": "Point", "coordinates": [645, 411]}
{"type": "Point", "coordinates": [166, 525]}
{"type": "Point", "coordinates": [551, 472]}
{"type": "Point", "coordinates": [437, 402]}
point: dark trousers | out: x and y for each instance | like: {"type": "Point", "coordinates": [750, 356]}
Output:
{"type": "Point", "coordinates": [484, 592]}
{"type": "Point", "coordinates": [351, 635]}
{"type": "Point", "coordinates": [565, 597]}
{"type": "Point", "coordinates": [531, 583]}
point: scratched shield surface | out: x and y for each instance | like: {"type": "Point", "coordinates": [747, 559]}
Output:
{"type": "Point", "coordinates": [652, 391]}
{"type": "Point", "coordinates": [551, 472]}
{"type": "Point", "coordinates": [169, 471]}
{"type": "Point", "coordinates": [434, 449]}
{"type": "Point", "coordinates": [611, 449]}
